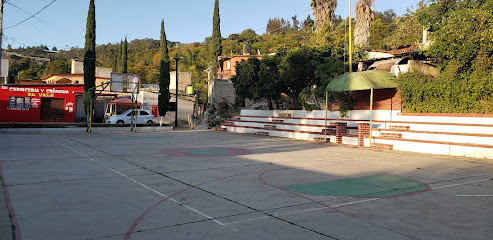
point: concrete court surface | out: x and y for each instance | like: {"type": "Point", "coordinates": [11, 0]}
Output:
{"type": "Point", "coordinates": [184, 184]}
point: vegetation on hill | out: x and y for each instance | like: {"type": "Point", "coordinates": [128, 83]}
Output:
{"type": "Point", "coordinates": [462, 35]}
{"type": "Point", "coordinates": [461, 31]}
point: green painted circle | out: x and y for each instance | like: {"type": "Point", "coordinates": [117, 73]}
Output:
{"type": "Point", "coordinates": [384, 185]}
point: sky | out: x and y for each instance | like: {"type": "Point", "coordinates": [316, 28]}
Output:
{"type": "Point", "coordinates": [61, 23]}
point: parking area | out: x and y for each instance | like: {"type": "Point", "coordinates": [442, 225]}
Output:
{"type": "Point", "coordinates": [218, 185]}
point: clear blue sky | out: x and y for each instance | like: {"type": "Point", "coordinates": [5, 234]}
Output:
{"type": "Point", "coordinates": [62, 24]}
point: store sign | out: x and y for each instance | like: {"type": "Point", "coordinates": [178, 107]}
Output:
{"type": "Point", "coordinates": [69, 107]}
{"type": "Point", "coordinates": [35, 102]}
{"type": "Point", "coordinates": [39, 92]}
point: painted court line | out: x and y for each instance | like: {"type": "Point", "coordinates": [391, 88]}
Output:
{"type": "Point", "coordinates": [15, 223]}
{"type": "Point", "coordinates": [144, 186]}
{"type": "Point", "coordinates": [366, 200]}
{"type": "Point", "coordinates": [474, 195]}
{"type": "Point", "coordinates": [460, 184]}
{"type": "Point", "coordinates": [307, 210]}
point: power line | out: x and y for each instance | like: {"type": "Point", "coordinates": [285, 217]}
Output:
{"type": "Point", "coordinates": [69, 34]}
{"type": "Point", "coordinates": [31, 15]}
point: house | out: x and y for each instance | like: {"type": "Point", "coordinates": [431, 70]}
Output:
{"type": "Point", "coordinates": [221, 88]}
{"type": "Point", "coordinates": [227, 65]}
{"type": "Point", "coordinates": [77, 75]}
{"type": "Point", "coordinates": [40, 102]}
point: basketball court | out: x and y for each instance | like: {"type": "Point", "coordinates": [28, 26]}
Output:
{"type": "Point", "coordinates": [217, 185]}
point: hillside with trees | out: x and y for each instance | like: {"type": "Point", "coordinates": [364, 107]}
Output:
{"type": "Point", "coordinates": [460, 30]}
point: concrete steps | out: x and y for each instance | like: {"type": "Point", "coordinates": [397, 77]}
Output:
{"type": "Point", "coordinates": [459, 139]}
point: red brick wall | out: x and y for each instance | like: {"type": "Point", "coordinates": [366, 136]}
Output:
{"type": "Point", "coordinates": [383, 99]}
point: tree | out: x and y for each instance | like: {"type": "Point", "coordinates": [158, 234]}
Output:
{"type": "Point", "coordinates": [364, 16]}
{"type": "Point", "coordinates": [90, 56]}
{"type": "Point", "coordinates": [323, 11]}
{"type": "Point", "coordinates": [124, 56]}
{"type": "Point", "coordinates": [407, 32]}
{"type": "Point", "coordinates": [217, 47]}
{"type": "Point", "coordinates": [297, 72]}
{"type": "Point", "coordinates": [58, 66]}
{"type": "Point", "coordinates": [296, 23]}
{"type": "Point", "coordinates": [382, 28]}
{"type": "Point", "coordinates": [307, 24]}
{"type": "Point", "coordinates": [256, 79]}
{"type": "Point", "coordinates": [163, 99]}
{"type": "Point", "coordinates": [114, 62]}
{"type": "Point", "coordinates": [277, 25]}
{"type": "Point", "coordinates": [462, 44]}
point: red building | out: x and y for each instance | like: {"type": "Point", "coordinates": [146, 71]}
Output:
{"type": "Point", "coordinates": [39, 103]}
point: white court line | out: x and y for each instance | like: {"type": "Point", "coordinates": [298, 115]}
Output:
{"type": "Point", "coordinates": [459, 184]}
{"type": "Point", "coordinates": [145, 186]}
{"type": "Point", "coordinates": [474, 195]}
{"type": "Point", "coordinates": [368, 200]}
{"type": "Point", "coordinates": [355, 202]}
{"type": "Point", "coordinates": [307, 210]}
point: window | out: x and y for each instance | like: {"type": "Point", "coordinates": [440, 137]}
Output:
{"type": "Point", "coordinates": [19, 102]}
{"type": "Point", "coordinates": [228, 65]}
{"type": "Point", "coordinates": [12, 102]}
{"type": "Point", "coordinates": [144, 113]}
{"type": "Point", "coordinates": [27, 102]}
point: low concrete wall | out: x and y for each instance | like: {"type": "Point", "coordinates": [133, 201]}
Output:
{"type": "Point", "coordinates": [455, 133]}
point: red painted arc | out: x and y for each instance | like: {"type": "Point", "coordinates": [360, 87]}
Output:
{"type": "Point", "coordinates": [137, 221]}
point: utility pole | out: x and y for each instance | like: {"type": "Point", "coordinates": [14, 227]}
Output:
{"type": "Point", "coordinates": [350, 40]}
{"type": "Point", "coordinates": [1, 33]}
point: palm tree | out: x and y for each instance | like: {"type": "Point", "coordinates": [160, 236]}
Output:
{"type": "Point", "coordinates": [364, 15]}
{"type": "Point", "coordinates": [323, 11]}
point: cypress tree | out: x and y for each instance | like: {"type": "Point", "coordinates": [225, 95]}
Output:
{"type": "Point", "coordinates": [217, 47]}
{"type": "Point", "coordinates": [114, 62]}
{"type": "Point", "coordinates": [163, 99]}
{"type": "Point", "coordinates": [124, 56]}
{"type": "Point", "coordinates": [120, 56]}
{"type": "Point", "coordinates": [90, 55]}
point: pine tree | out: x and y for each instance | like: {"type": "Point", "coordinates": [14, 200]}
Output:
{"type": "Point", "coordinates": [124, 56]}
{"type": "Point", "coordinates": [163, 99]}
{"type": "Point", "coordinates": [90, 56]}
{"type": "Point", "coordinates": [217, 47]}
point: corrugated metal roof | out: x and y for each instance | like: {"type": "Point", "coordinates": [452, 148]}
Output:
{"type": "Point", "coordinates": [378, 63]}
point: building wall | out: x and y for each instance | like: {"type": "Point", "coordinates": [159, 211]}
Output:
{"type": "Point", "coordinates": [222, 88]}
{"type": "Point", "coordinates": [383, 99]}
{"type": "Point", "coordinates": [78, 68]}
{"type": "Point", "coordinates": [24, 103]}
{"type": "Point", "coordinates": [184, 80]}
{"type": "Point", "coordinates": [75, 79]}
{"type": "Point", "coordinates": [226, 73]}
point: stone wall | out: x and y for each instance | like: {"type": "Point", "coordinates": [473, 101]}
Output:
{"type": "Point", "coordinates": [222, 88]}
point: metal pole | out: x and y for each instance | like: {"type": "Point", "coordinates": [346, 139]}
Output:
{"type": "Point", "coordinates": [176, 94]}
{"type": "Point", "coordinates": [371, 111]}
{"type": "Point", "coordinates": [1, 32]}
{"type": "Point", "coordinates": [136, 111]}
{"type": "Point", "coordinates": [326, 109]}
{"type": "Point", "coordinates": [176, 90]}
{"type": "Point", "coordinates": [90, 115]}
{"type": "Point", "coordinates": [350, 41]}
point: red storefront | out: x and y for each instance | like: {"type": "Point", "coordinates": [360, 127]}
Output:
{"type": "Point", "coordinates": [38, 103]}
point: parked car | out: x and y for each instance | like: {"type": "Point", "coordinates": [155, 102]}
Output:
{"type": "Point", "coordinates": [143, 117]}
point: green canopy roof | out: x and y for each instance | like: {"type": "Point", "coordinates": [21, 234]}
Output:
{"type": "Point", "coordinates": [362, 81]}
